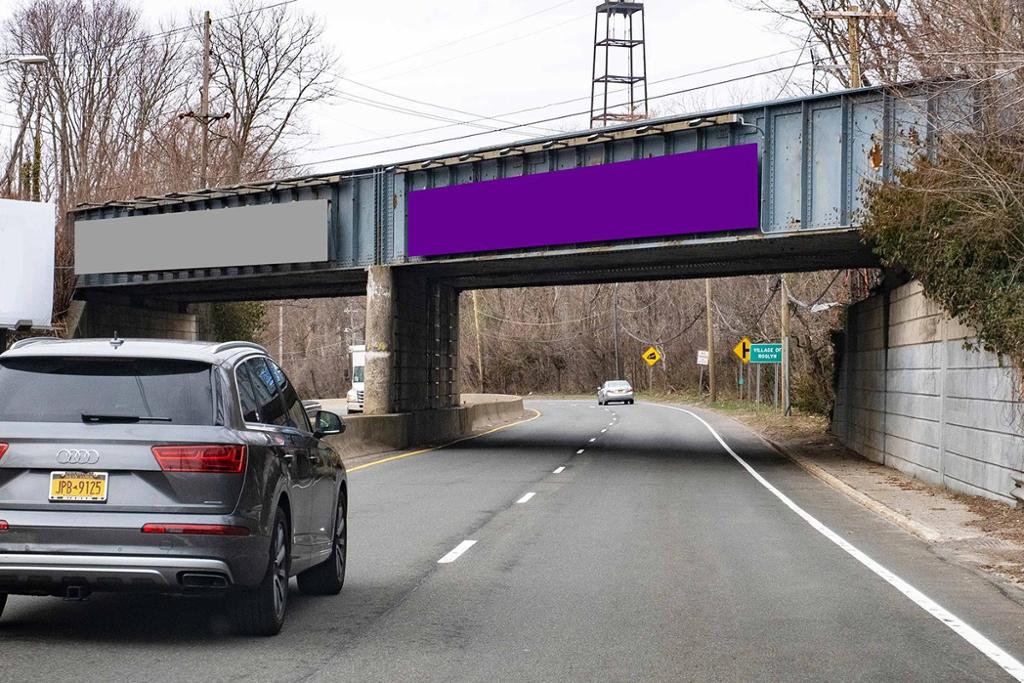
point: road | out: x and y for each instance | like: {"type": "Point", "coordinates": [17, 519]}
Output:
{"type": "Point", "coordinates": [653, 555]}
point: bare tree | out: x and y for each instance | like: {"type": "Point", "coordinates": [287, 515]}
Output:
{"type": "Point", "coordinates": [268, 66]}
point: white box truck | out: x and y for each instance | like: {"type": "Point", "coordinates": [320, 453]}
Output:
{"type": "Point", "coordinates": [355, 395]}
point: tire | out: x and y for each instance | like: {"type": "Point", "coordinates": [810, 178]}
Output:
{"type": "Point", "coordinates": [260, 611]}
{"type": "Point", "coordinates": [328, 577]}
{"type": "Point", "coordinates": [3, 603]}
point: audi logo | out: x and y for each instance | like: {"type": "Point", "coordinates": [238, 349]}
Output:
{"type": "Point", "coordinates": [78, 456]}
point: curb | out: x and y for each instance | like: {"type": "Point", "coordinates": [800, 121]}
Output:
{"type": "Point", "coordinates": [924, 532]}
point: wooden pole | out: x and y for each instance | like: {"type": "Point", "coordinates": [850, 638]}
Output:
{"type": "Point", "coordinates": [712, 387]}
{"type": "Point", "coordinates": [853, 30]}
{"type": "Point", "coordinates": [784, 313]}
{"type": "Point", "coordinates": [479, 342]}
{"type": "Point", "coordinates": [204, 106]}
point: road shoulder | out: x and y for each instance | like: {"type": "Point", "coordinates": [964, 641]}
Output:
{"type": "Point", "coordinates": [984, 535]}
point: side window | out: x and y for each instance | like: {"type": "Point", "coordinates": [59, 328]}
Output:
{"type": "Point", "coordinates": [247, 394]}
{"type": "Point", "coordinates": [268, 398]}
{"type": "Point", "coordinates": [296, 413]}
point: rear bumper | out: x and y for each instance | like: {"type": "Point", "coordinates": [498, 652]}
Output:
{"type": "Point", "coordinates": [107, 551]}
{"type": "Point", "coordinates": [41, 574]}
{"type": "Point", "coordinates": [612, 398]}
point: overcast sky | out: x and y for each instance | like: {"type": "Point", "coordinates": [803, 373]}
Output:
{"type": "Point", "coordinates": [491, 57]}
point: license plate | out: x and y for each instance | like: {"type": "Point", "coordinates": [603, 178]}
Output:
{"type": "Point", "coordinates": [78, 487]}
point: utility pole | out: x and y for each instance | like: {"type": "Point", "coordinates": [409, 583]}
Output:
{"type": "Point", "coordinates": [280, 333]}
{"type": "Point", "coordinates": [784, 313]}
{"type": "Point", "coordinates": [712, 387]}
{"type": "Point", "coordinates": [479, 342]}
{"type": "Point", "coordinates": [204, 118]}
{"type": "Point", "coordinates": [853, 15]}
{"type": "Point", "coordinates": [615, 318]}
{"type": "Point", "coordinates": [204, 105]}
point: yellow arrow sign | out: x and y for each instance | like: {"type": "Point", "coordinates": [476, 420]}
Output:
{"type": "Point", "coordinates": [743, 349]}
{"type": "Point", "coordinates": [652, 356]}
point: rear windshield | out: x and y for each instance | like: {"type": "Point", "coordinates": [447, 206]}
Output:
{"type": "Point", "coordinates": [618, 385]}
{"type": "Point", "coordinates": [64, 389]}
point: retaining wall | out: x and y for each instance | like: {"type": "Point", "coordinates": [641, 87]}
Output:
{"type": "Point", "coordinates": [911, 395]}
{"type": "Point", "coordinates": [367, 434]}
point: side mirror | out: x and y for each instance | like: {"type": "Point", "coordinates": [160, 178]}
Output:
{"type": "Point", "coordinates": [327, 423]}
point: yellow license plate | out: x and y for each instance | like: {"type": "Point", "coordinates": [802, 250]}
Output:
{"type": "Point", "coordinates": [78, 487]}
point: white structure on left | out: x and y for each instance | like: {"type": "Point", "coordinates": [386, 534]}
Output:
{"type": "Point", "coordinates": [26, 263]}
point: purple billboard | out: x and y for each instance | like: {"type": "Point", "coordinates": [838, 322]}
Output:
{"type": "Point", "coordinates": [708, 191]}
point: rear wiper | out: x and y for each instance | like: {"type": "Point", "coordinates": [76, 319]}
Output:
{"type": "Point", "coordinates": [123, 419]}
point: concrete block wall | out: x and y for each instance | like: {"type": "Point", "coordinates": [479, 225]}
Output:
{"type": "Point", "coordinates": [911, 396]}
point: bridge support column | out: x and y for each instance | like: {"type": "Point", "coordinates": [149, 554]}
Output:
{"type": "Point", "coordinates": [380, 318]}
{"type": "Point", "coordinates": [412, 327]}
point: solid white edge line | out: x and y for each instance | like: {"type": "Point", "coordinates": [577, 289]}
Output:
{"type": "Point", "coordinates": [456, 552]}
{"type": "Point", "coordinates": [998, 655]}
{"type": "Point", "coordinates": [526, 498]}
{"type": "Point", "coordinates": [559, 470]}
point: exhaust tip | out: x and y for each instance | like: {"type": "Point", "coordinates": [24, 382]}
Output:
{"type": "Point", "coordinates": [203, 581]}
{"type": "Point", "coordinates": [76, 593]}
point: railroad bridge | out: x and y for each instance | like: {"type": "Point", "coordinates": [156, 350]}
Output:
{"type": "Point", "coordinates": [766, 188]}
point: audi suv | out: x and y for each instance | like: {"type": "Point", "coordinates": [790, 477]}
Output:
{"type": "Point", "coordinates": [165, 466]}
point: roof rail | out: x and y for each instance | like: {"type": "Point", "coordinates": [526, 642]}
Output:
{"type": "Point", "coordinates": [21, 343]}
{"type": "Point", "coordinates": [239, 345]}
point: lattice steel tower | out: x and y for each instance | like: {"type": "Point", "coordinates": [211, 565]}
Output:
{"type": "Point", "coordinates": [617, 51]}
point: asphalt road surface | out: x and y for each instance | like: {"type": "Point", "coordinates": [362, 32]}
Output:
{"type": "Point", "coordinates": [655, 554]}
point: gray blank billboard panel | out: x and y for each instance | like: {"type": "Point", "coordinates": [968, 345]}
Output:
{"type": "Point", "coordinates": [295, 232]}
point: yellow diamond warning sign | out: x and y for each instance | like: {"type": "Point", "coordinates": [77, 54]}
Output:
{"type": "Point", "coordinates": [743, 349]}
{"type": "Point", "coordinates": [652, 356]}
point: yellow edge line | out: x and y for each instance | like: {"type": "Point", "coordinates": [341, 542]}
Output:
{"type": "Point", "coordinates": [400, 456]}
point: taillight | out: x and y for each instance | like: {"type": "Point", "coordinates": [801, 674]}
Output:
{"type": "Point", "coordinates": [213, 458]}
{"type": "Point", "coordinates": [3, 449]}
{"type": "Point", "coordinates": [4, 526]}
{"type": "Point", "coordinates": [197, 529]}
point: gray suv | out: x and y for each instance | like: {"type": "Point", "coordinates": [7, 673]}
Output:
{"type": "Point", "coordinates": [173, 467]}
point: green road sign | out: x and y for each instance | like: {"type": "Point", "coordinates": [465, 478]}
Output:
{"type": "Point", "coordinates": [766, 353]}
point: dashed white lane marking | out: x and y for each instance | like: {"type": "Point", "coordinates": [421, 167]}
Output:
{"type": "Point", "coordinates": [559, 470]}
{"type": "Point", "coordinates": [579, 451]}
{"type": "Point", "coordinates": [998, 655]}
{"type": "Point", "coordinates": [526, 498]}
{"type": "Point", "coordinates": [456, 552]}
{"type": "Point", "coordinates": [604, 430]}
{"type": "Point", "coordinates": [593, 440]}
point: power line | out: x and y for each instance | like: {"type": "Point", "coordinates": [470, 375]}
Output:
{"type": "Point", "coordinates": [524, 36]}
{"type": "Point", "coordinates": [463, 39]}
{"type": "Point", "coordinates": [550, 105]}
{"type": "Point", "coordinates": [187, 27]}
{"type": "Point", "coordinates": [477, 117]}
{"type": "Point", "coordinates": [386, 106]}
{"type": "Point", "coordinates": [457, 138]}
{"type": "Point", "coordinates": [522, 125]}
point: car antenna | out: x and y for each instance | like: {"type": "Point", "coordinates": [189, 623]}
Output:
{"type": "Point", "coordinates": [116, 341]}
